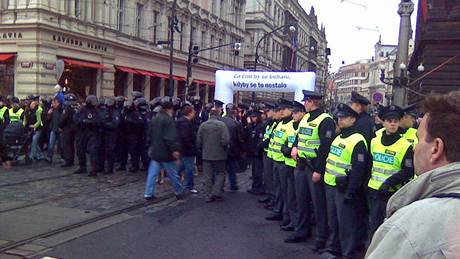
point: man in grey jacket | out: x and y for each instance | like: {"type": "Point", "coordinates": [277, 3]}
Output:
{"type": "Point", "coordinates": [423, 217]}
{"type": "Point", "coordinates": [212, 141]}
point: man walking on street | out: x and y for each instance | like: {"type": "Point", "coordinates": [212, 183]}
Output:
{"type": "Point", "coordinates": [187, 136]}
{"type": "Point", "coordinates": [164, 150]}
{"type": "Point", "coordinates": [212, 142]}
{"type": "Point", "coordinates": [423, 216]}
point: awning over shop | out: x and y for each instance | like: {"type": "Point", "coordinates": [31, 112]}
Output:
{"type": "Point", "coordinates": [4, 57]}
{"type": "Point", "coordinates": [73, 62]}
{"type": "Point", "coordinates": [148, 73]}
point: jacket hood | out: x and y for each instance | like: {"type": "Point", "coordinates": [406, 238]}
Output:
{"type": "Point", "coordinates": [445, 179]}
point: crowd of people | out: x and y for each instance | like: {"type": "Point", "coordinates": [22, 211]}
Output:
{"type": "Point", "coordinates": [328, 172]}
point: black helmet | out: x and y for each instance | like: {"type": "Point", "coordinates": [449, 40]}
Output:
{"type": "Point", "coordinates": [15, 100]}
{"type": "Point", "coordinates": [91, 100]}
{"type": "Point", "coordinates": [155, 102]}
{"type": "Point", "coordinates": [120, 99]}
{"type": "Point", "coordinates": [101, 101]}
{"type": "Point", "coordinates": [176, 103]}
{"type": "Point", "coordinates": [70, 97]}
{"type": "Point", "coordinates": [140, 102]}
{"type": "Point", "coordinates": [109, 102]}
{"type": "Point", "coordinates": [166, 102]}
{"type": "Point", "coordinates": [128, 104]}
{"type": "Point", "coordinates": [136, 95]}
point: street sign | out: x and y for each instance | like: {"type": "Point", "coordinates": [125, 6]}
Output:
{"type": "Point", "coordinates": [377, 97]}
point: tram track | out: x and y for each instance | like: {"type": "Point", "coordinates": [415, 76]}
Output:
{"type": "Point", "coordinates": [70, 195]}
{"type": "Point", "coordinates": [138, 205]}
{"type": "Point", "coordinates": [35, 180]}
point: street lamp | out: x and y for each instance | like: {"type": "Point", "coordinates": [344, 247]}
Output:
{"type": "Point", "coordinates": [292, 29]}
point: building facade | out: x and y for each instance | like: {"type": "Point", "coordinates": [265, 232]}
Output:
{"type": "Point", "coordinates": [384, 58]}
{"type": "Point", "coordinates": [110, 46]}
{"type": "Point", "coordinates": [437, 44]}
{"type": "Point", "coordinates": [284, 50]}
{"type": "Point", "coordinates": [353, 77]}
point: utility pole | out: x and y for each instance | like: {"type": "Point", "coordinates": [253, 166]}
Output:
{"type": "Point", "coordinates": [189, 60]}
{"type": "Point", "coordinates": [171, 48]}
{"type": "Point", "coordinates": [406, 7]}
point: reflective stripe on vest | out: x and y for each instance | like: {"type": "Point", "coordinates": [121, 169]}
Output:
{"type": "Point", "coordinates": [270, 143]}
{"type": "Point", "coordinates": [279, 137]}
{"type": "Point", "coordinates": [291, 135]}
{"type": "Point", "coordinates": [339, 159]}
{"type": "Point", "coordinates": [309, 140]}
{"type": "Point", "coordinates": [268, 132]}
{"type": "Point", "coordinates": [386, 160]}
{"type": "Point", "coordinates": [15, 116]}
{"type": "Point", "coordinates": [411, 136]}
{"type": "Point", "coordinates": [2, 113]}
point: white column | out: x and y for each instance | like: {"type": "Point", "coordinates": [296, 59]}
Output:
{"type": "Point", "coordinates": [21, 4]}
{"type": "Point", "coordinates": [146, 87]}
{"type": "Point", "coordinates": [162, 87]}
{"type": "Point", "coordinates": [129, 85]}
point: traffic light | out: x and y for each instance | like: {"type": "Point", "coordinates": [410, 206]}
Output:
{"type": "Point", "coordinates": [196, 50]}
{"type": "Point", "coordinates": [236, 48]}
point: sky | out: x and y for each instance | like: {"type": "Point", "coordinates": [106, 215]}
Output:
{"type": "Point", "coordinates": [341, 18]}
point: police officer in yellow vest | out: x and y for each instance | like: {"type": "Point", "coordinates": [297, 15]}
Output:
{"type": "Point", "coordinates": [407, 124]}
{"type": "Point", "coordinates": [16, 113]}
{"type": "Point", "coordinates": [270, 122]}
{"type": "Point", "coordinates": [392, 165]}
{"type": "Point", "coordinates": [300, 234]}
{"type": "Point", "coordinates": [277, 140]}
{"type": "Point", "coordinates": [316, 132]}
{"type": "Point", "coordinates": [346, 172]}
{"type": "Point", "coordinates": [4, 114]}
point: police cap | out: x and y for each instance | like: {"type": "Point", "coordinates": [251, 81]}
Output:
{"type": "Point", "coordinates": [284, 104]}
{"type": "Point", "coordinates": [254, 113]}
{"type": "Point", "coordinates": [218, 104]}
{"type": "Point", "coordinates": [357, 98]}
{"type": "Point", "coordinates": [297, 107]}
{"type": "Point", "coordinates": [270, 106]}
{"type": "Point", "coordinates": [311, 95]}
{"type": "Point", "coordinates": [392, 112]}
{"type": "Point", "coordinates": [344, 110]}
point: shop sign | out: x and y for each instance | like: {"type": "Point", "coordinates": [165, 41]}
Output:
{"type": "Point", "coordinates": [10, 35]}
{"type": "Point", "coordinates": [79, 43]}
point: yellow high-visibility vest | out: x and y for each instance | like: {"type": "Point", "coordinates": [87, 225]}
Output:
{"type": "Point", "coordinates": [308, 136]}
{"type": "Point", "coordinates": [339, 159]}
{"type": "Point", "coordinates": [15, 116]}
{"type": "Point", "coordinates": [386, 160]}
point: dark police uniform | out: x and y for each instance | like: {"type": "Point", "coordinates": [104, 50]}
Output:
{"type": "Point", "coordinates": [256, 154]}
{"type": "Point", "coordinates": [68, 127]}
{"type": "Point", "coordinates": [111, 124]}
{"type": "Point", "coordinates": [88, 123]}
{"type": "Point", "coordinates": [346, 170]}
{"type": "Point", "coordinates": [316, 132]}
{"type": "Point", "coordinates": [392, 167]}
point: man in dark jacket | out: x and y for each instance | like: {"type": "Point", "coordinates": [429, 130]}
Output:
{"type": "Point", "coordinates": [212, 140]}
{"type": "Point", "coordinates": [236, 141]}
{"type": "Point", "coordinates": [257, 130]}
{"type": "Point", "coordinates": [53, 117]}
{"type": "Point", "coordinates": [164, 150]}
{"type": "Point", "coordinates": [187, 137]}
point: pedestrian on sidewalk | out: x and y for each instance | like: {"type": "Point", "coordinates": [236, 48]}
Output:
{"type": "Point", "coordinates": [164, 150]}
{"type": "Point", "coordinates": [213, 141]}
